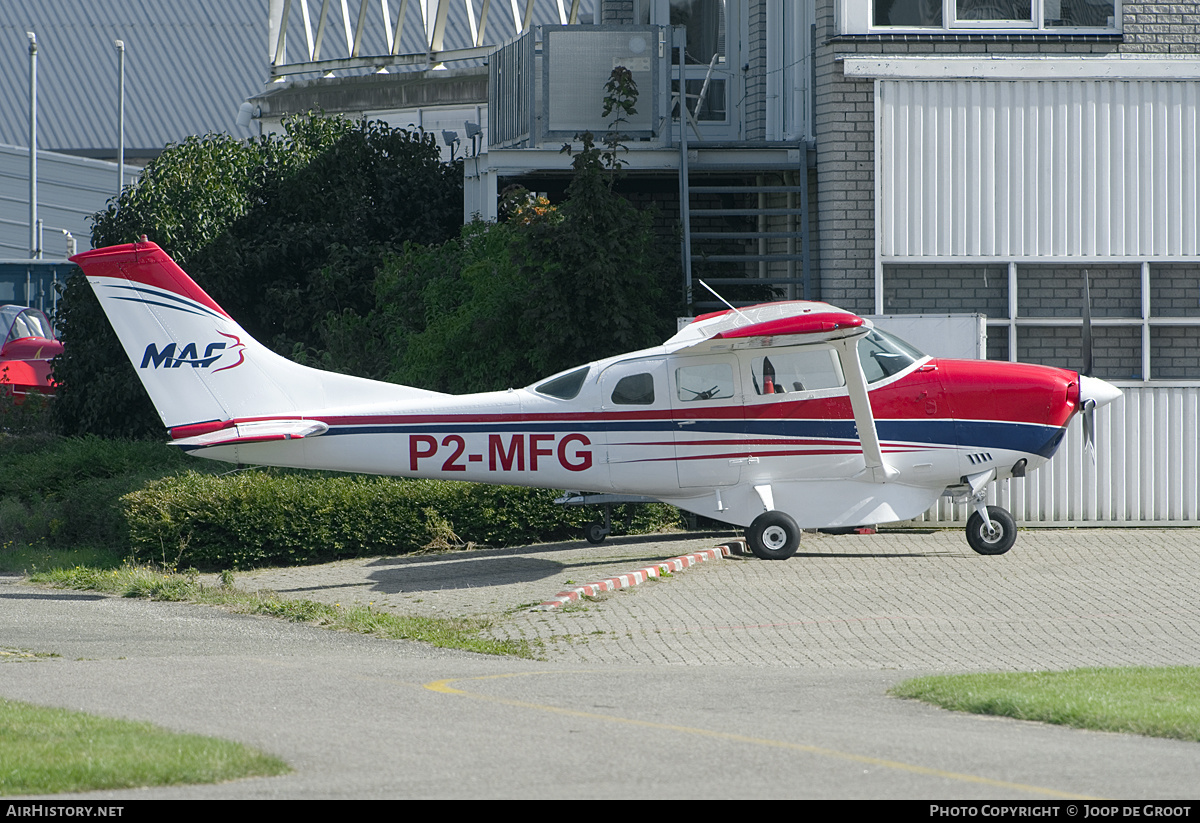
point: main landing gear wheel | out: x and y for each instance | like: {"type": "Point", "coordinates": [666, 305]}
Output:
{"type": "Point", "coordinates": [595, 532]}
{"type": "Point", "coordinates": [773, 536]}
{"type": "Point", "coordinates": [997, 541]}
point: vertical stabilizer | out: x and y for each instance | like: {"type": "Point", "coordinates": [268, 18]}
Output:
{"type": "Point", "coordinates": [197, 364]}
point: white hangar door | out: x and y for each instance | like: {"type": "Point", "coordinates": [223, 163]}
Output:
{"type": "Point", "coordinates": [1037, 168]}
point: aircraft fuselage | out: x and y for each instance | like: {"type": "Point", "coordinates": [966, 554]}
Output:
{"type": "Point", "coordinates": [938, 420]}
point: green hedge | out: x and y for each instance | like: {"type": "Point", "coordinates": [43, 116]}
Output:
{"type": "Point", "coordinates": [255, 518]}
{"type": "Point", "coordinates": [62, 492]}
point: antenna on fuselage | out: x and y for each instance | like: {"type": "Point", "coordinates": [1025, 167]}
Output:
{"type": "Point", "coordinates": [723, 300]}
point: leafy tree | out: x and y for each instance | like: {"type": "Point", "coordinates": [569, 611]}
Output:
{"type": "Point", "coordinates": [505, 304]}
{"type": "Point", "coordinates": [281, 230]}
{"type": "Point", "coordinates": [598, 275]}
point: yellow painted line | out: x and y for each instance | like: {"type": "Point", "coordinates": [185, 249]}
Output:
{"type": "Point", "coordinates": [444, 687]}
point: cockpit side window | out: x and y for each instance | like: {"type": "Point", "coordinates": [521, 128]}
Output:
{"type": "Point", "coordinates": [707, 381]}
{"type": "Point", "coordinates": [795, 370]}
{"type": "Point", "coordinates": [634, 390]}
{"type": "Point", "coordinates": [883, 355]}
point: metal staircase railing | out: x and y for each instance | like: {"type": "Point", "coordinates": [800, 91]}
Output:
{"type": "Point", "coordinates": [749, 236]}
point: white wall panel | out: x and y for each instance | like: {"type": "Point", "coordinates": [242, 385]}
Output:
{"type": "Point", "coordinates": [1048, 168]}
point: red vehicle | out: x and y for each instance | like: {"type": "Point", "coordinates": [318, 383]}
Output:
{"type": "Point", "coordinates": [30, 343]}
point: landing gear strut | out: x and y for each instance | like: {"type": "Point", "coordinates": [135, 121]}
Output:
{"type": "Point", "coordinates": [993, 535]}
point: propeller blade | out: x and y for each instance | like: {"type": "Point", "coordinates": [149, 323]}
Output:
{"type": "Point", "coordinates": [1087, 328]}
{"type": "Point", "coordinates": [1089, 428]}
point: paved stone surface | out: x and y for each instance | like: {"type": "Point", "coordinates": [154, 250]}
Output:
{"type": "Point", "coordinates": [657, 690]}
{"type": "Point", "coordinates": [900, 600]}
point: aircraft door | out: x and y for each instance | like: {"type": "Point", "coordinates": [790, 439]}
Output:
{"type": "Point", "coordinates": [636, 411]}
{"type": "Point", "coordinates": [709, 424]}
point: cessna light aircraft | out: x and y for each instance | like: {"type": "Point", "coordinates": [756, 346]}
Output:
{"type": "Point", "coordinates": [776, 417]}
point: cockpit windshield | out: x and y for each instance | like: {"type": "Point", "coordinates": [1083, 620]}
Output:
{"type": "Point", "coordinates": [21, 322]}
{"type": "Point", "coordinates": [883, 355]}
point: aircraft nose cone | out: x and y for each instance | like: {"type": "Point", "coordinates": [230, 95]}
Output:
{"type": "Point", "coordinates": [1097, 390]}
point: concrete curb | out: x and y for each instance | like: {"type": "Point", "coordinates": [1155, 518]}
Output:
{"type": "Point", "coordinates": [635, 578]}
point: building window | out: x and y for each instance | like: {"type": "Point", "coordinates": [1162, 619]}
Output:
{"type": "Point", "coordinates": [710, 59]}
{"type": "Point", "coordinates": [1144, 320]}
{"type": "Point", "coordinates": [996, 16]}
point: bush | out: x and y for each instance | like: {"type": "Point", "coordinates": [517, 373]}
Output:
{"type": "Point", "coordinates": [28, 414]}
{"type": "Point", "coordinates": [258, 518]}
{"type": "Point", "coordinates": [151, 502]}
{"type": "Point", "coordinates": [64, 492]}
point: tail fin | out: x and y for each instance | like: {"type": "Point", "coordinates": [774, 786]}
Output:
{"type": "Point", "coordinates": [197, 364]}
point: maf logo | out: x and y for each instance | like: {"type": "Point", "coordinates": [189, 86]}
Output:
{"type": "Point", "coordinates": [167, 358]}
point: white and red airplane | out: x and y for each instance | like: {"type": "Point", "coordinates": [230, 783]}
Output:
{"type": "Point", "coordinates": [28, 343]}
{"type": "Point", "coordinates": [776, 417]}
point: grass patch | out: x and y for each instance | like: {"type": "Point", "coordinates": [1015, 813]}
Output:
{"type": "Point", "coordinates": [1155, 702]}
{"type": "Point", "coordinates": [49, 751]}
{"type": "Point", "coordinates": [139, 581]}
{"type": "Point", "coordinates": [9, 654]}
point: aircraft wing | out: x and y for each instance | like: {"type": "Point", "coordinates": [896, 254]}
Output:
{"type": "Point", "coordinates": [798, 323]}
{"type": "Point", "coordinates": [773, 324]}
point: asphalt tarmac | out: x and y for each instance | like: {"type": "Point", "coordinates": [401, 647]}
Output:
{"type": "Point", "coordinates": [734, 678]}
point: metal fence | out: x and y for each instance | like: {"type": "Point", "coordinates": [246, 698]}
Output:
{"type": "Point", "coordinates": [512, 93]}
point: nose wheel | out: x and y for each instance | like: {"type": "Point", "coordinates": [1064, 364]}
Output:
{"type": "Point", "coordinates": [995, 535]}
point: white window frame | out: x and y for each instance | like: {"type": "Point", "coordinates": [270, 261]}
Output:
{"type": "Point", "coordinates": [727, 71]}
{"type": "Point", "coordinates": [855, 16]}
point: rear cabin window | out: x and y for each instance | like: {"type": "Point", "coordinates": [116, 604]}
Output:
{"type": "Point", "coordinates": [710, 381]}
{"type": "Point", "coordinates": [634, 390]}
{"type": "Point", "coordinates": [565, 386]}
{"type": "Point", "coordinates": [795, 371]}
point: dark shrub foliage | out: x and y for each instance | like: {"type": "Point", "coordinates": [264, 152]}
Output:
{"type": "Point", "coordinates": [259, 518]}
{"type": "Point", "coordinates": [65, 492]}
{"type": "Point", "coordinates": [280, 230]}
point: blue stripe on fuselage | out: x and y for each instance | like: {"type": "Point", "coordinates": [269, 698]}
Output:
{"type": "Point", "coordinates": [1022, 437]}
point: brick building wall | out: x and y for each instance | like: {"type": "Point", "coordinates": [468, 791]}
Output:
{"type": "Point", "coordinates": [616, 12]}
{"type": "Point", "coordinates": [756, 70]}
{"type": "Point", "coordinates": [844, 128]}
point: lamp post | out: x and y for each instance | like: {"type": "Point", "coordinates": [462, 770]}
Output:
{"type": "Point", "coordinates": [35, 250]}
{"type": "Point", "coordinates": [120, 116]}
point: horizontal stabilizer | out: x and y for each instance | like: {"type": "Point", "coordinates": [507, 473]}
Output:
{"type": "Point", "coordinates": [255, 431]}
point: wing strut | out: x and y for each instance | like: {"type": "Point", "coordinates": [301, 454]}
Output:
{"type": "Point", "coordinates": [876, 470]}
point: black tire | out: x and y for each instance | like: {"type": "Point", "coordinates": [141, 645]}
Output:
{"type": "Point", "coordinates": [594, 532]}
{"type": "Point", "coordinates": [773, 536]}
{"type": "Point", "coordinates": [998, 543]}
